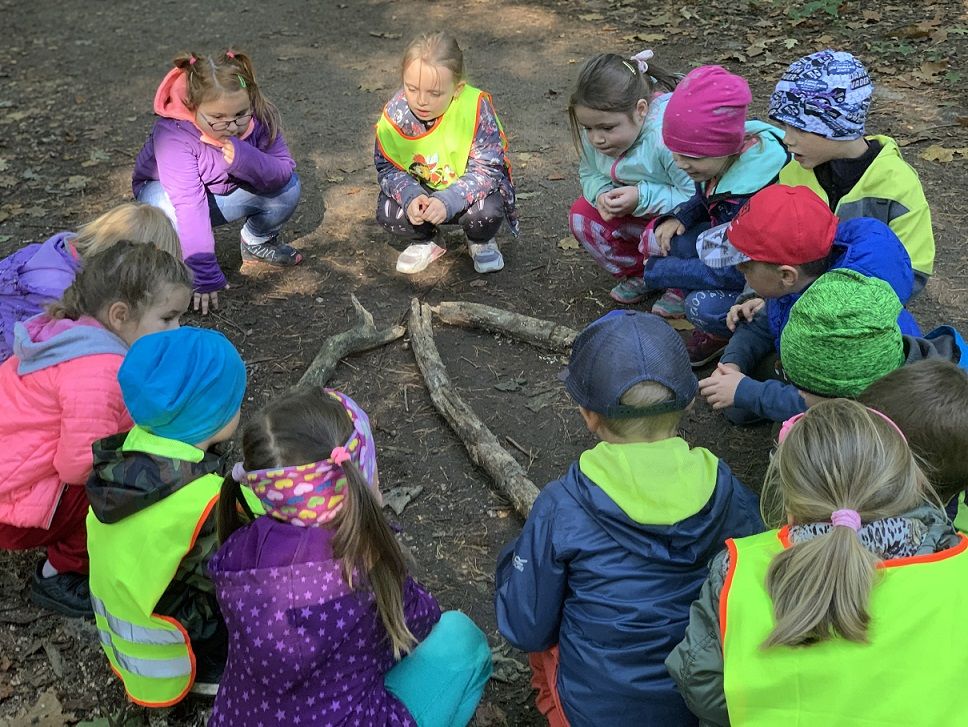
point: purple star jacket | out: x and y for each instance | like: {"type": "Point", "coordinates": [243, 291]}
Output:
{"type": "Point", "coordinates": [304, 648]}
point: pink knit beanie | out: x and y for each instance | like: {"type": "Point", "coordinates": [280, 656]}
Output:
{"type": "Point", "coordinates": [706, 115]}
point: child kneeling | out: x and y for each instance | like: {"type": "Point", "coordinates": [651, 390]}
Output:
{"type": "Point", "coordinates": [316, 593]}
{"type": "Point", "coordinates": [151, 530]}
{"type": "Point", "coordinates": [597, 587]}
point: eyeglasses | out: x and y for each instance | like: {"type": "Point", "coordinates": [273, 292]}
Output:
{"type": "Point", "coordinates": [238, 122]}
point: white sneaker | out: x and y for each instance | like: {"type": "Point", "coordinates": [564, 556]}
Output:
{"type": "Point", "coordinates": [418, 256]}
{"type": "Point", "coordinates": [486, 256]}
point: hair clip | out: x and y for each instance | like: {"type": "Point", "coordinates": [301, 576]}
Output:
{"type": "Point", "coordinates": [630, 67]}
{"type": "Point", "coordinates": [192, 59]}
{"type": "Point", "coordinates": [230, 54]}
{"type": "Point", "coordinates": [642, 59]}
{"type": "Point", "coordinates": [241, 80]}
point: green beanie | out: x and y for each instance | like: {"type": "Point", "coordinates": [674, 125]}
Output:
{"type": "Point", "coordinates": [842, 335]}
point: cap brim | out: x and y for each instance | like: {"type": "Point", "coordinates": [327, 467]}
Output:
{"type": "Point", "coordinates": [715, 249]}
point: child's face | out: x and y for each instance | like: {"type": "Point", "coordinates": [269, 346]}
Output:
{"type": "Point", "coordinates": [811, 150]}
{"type": "Point", "coordinates": [701, 169]}
{"type": "Point", "coordinates": [765, 279]}
{"type": "Point", "coordinates": [230, 110]}
{"type": "Point", "coordinates": [612, 132]}
{"type": "Point", "coordinates": [164, 314]}
{"type": "Point", "coordinates": [429, 89]}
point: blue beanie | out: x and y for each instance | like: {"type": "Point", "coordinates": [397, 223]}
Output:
{"type": "Point", "coordinates": [184, 384]}
{"type": "Point", "coordinates": [826, 93]}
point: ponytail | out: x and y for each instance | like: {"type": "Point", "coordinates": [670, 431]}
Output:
{"type": "Point", "coordinates": [839, 455]}
{"type": "Point", "coordinates": [366, 545]}
{"type": "Point", "coordinates": [230, 508]}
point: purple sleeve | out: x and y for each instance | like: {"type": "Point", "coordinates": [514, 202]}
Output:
{"type": "Point", "coordinates": [420, 609]}
{"type": "Point", "coordinates": [179, 174]}
{"type": "Point", "coordinates": [264, 171]}
{"type": "Point", "coordinates": [485, 165]}
{"type": "Point", "coordinates": [395, 183]}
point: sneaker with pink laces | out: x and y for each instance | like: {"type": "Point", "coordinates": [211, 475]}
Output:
{"type": "Point", "coordinates": [704, 347]}
{"type": "Point", "coordinates": [672, 304]}
{"type": "Point", "coordinates": [629, 291]}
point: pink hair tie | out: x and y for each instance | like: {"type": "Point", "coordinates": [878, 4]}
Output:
{"type": "Point", "coordinates": [191, 60]}
{"type": "Point", "coordinates": [339, 455]}
{"type": "Point", "coordinates": [238, 472]}
{"type": "Point", "coordinates": [846, 518]}
{"type": "Point", "coordinates": [230, 54]}
{"type": "Point", "coordinates": [788, 424]}
{"type": "Point", "coordinates": [642, 59]}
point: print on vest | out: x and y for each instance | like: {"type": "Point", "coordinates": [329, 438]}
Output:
{"type": "Point", "coordinates": [428, 171]}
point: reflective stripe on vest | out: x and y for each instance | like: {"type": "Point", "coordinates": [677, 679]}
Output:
{"type": "Point", "coordinates": [910, 672]}
{"type": "Point", "coordinates": [129, 573]}
{"type": "Point", "coordinates": [438, 157]}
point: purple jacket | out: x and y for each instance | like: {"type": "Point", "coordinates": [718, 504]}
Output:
{"type": "Point", "coordinates": [30, 279]}
{"type": "Point", "coordinates": [303, 648]}
{"type": "Point", "coordinates": [189, 170]}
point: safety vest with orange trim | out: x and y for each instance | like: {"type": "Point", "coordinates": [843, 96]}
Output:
{"type": "Point", "coordinates": [910, 673]}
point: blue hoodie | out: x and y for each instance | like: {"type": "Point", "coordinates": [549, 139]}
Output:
{"type": "Point", "coordinates": [606, 567]}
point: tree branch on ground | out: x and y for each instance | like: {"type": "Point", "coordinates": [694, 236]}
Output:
{"type": "Point", "coordinates": [535, 331]}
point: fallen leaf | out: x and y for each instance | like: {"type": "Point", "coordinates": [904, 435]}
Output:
{"type": "Point", "coordinates": [371, 86]}
{"type": "Point", "coordinates": [525, 195]}
{"type": "Point", "coordinates": [569, 243]}
{"type": "Point", "coordinates": [479, 283]}
{"type": "Point", "coordinates": [938, 153]}
{"type": "Point", "coordinates": [7, 181]}
{"type": "Point", "coordinates": [871, 16]}
{"type": "Point", "coordinates": [788, 43]}
{"type": "Point", "coordinates": [45, 712]}
{"type": "Point", "coordinates": [555, 177]}
{"type": "Point", "coordinates": [3, 165]}
{"type": "Point", "coordinates": [76, 182]}
{"type": "Point", "coordinates": [589, 17]}
{"type": "Point", "coordinates": [398, 498]}
{"type": "Point", "coordinates": [507, 385]}
{"type": "Point", "coordinates": [540, 401]}
{"type": "Point", "coordinates": [645, 37]}
{"type": "Point", "coordinates": [506, 669]}
{"type": "Point", "coordinates": [335, 179]}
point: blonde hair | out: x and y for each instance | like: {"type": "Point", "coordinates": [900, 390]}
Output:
{"type": "Point", "coordinates": [435, 49]}
{"type": "Point", "coordinates": [840, 455]}
{"type": "Point", "coordinates": [211, 76]}
{"type": "Point", "coordinates": [131, 221]}
{"type": "Point", "coordinates": [645, 394]}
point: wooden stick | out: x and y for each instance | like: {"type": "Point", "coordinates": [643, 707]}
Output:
{"type": "Point", "coordinates": [535, 331]}
{"type": "Point", "coordinates": [481, 444]}
{"type": "Point", "coordinates": [361, 337]}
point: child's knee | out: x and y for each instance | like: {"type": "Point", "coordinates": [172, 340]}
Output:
{"type": "Point", "coordinates": [459, 638]}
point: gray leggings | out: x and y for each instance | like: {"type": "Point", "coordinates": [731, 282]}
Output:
{"type": "Point", "coordinates": [480, 221]}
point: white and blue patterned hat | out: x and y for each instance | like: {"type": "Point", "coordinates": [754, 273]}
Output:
{"type": "Point", "coordinates": [826, 93]}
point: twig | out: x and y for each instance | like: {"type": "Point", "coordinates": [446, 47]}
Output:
{"type": "Point", "coordinates": [535, 331]}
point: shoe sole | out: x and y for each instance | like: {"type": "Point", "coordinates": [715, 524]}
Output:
{"type": "Point", "coordinates": [411, 270]}
{"type": "Point", "coordinates": [260, 261]}
{"type": "Point", "coordinates": [204, 689]}
{"type": "Point", "coordinates": [50, 604]}
{"type": "Point", "coordinates": [489, 267]}
{"type": "Point", "coordinates": [711, 357]}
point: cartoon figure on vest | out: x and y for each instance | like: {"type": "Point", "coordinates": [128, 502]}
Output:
{"type": "Point", "coordinates": [151, 528]}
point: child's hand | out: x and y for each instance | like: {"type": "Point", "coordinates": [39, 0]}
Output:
{"type": "Point", "coordinates": [665, 231]}
{"type": "Point", "coordinates": [743, 311]}
{"type": "Point", "coordinates": [719, 388]}
{"type": "Point", "coordinates": [205, 300]}
{"type": "Point", "coordinates": [621, 201]}
{"type": "Point", "coordinates": [436, 212]}
{"type": "Point", "coordinates": [228, 151]}
{"type": "Point", "coordinates": [602, 207]}
{"type": "Point", "coordinates": [416, 209]}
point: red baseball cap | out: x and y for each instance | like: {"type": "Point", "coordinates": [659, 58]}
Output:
{"type": "Point", "coordinates": [784, 226]}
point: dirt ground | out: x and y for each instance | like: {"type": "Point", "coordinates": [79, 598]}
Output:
{"type": "Point", "coordinates": [75, 106]}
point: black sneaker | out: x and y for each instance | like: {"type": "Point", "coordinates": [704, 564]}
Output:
{"type": "Point", "coordinates": [208, 674]}
{"type": "Point", "coordinates": [65, 593]}
{"type": "Point", "coordinates": [271, 252]}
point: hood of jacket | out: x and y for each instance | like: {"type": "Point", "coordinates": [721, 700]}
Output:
{"type": "Point", "coordinates": [136, 469]}
{"type": "Point", "coordinates": [943, 342]}
{"type": "Point", "coordinates": [662, 500]}
{"type": "Point", "coordinates": [170, 104]}
{"type": "Point", "coordinates": [42, 341]}
{"type": "Point", "coordinates": [759, 165]}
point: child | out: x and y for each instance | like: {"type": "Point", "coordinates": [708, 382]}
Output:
{"type": "Point", "coordinates": [154, 605]}
{"type": "Point", "coordinates": [217, 155]}
{"type": "Point", "coordinates": [597, 586]}
{"type": "Point", "coordinates": [325, 624]}
{"type": "Point", "coordinates": [839, 616]}
{"type": "Point", "coordinates": [627, 174]}
{"type": "Point", "coordinates": [822, 102]}
{"type": "Point", "coordinates": [782, 241]}
{"type": "Point", "coordinates": [928, 401]}
{"type": "Point", "coordinates": [442, 159]}
{"type": "Point", "coordinates": [729, 159]}
{"type": "Point", "coordinates": [39, 273]}
{"type": "Point", "coordinates": [59, 393]}
{"type": "Point", "coordinates": [842, 335]}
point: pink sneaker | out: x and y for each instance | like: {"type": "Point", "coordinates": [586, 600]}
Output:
{"type": "Point", "coordinates": [629, 291]}
{"type": "Point", "coordinates": [672, 304]}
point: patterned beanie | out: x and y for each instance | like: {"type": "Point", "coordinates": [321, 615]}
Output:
{"type": "Point", "coordinates": [842, 334]}
{"type": "Point", "coordinates": [826, 93]}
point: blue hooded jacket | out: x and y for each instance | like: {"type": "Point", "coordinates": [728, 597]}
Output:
{"type": "Point", "coordinates": [613, 592]}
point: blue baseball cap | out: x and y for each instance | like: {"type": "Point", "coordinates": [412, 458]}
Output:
{"type": "Point", "coordinates": [622, 349]}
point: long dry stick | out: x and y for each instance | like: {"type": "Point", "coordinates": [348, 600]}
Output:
{"type": "Point", "coordinates": [482, 446]}
{"type": "Point", "coordinates": [361, 337]}
{"type": "Point", "coordinates": [535, 331]}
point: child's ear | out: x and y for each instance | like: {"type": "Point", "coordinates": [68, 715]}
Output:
{"type": "Point", "coordinates": [117, 315]}
{"type": "Point", "coordinates": [789, 275]}
{"type": "Point", "coordinates": [593, 420]}
{"type": "Point", "coordinates": [641, 110]}
{"type": "Point", "coordinates": [458, 88]}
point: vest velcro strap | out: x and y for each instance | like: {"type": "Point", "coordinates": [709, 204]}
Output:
{"type": "Point", "coordinates": [132, 632]}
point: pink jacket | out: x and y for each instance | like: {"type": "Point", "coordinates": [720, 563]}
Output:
{"type": "Point", "coordinates": [59, 393]}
